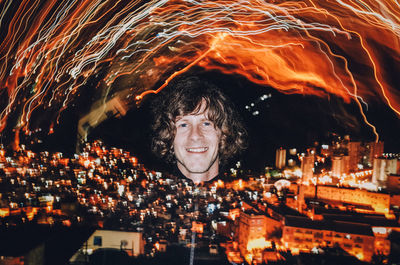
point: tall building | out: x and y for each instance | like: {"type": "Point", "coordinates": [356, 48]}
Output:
{"type": "Point", "coordinates": [252, 227]}
{"type": "Point", "coordinates": [340, 165]}
{"type": "Point", "coordinates": [382, 167]}
{"type": "Point", "coordinates": [307, 167]}
{"type": "Point", "coordinates": [372, 150]}
{"type": "Point", "coordinates": [376, 149]}
{"type": "Point", "coordinates": [300, 198]}
{"type": "Point", "coordinates": [280, 158]}
{"type": "Point", "coordinates": [354, 151]}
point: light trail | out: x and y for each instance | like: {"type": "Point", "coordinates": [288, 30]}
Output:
{"type": "Point", "coordinates": [50, 52]}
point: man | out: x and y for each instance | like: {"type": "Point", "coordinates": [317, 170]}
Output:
{"type": "Point", "coordinates": [197, 128]}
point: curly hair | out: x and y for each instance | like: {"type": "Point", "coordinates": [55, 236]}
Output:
{"type": "Point", "coordinates": [185, 97]}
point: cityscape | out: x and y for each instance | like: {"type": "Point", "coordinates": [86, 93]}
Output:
{"type": "Point", "coordinates": [336, 202]}
{"type": "Point", "coordinates": [92, 170]}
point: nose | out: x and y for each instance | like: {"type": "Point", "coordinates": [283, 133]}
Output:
{"type": "Point", "coordinates": [195, 133]}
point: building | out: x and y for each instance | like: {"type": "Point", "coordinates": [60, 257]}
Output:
{"type": "Point", "coordinates": [304, 234]}
{"type": "Point", "coordinates": [340, 165]}
{"type": "Point", "coordinates": [256, 230]}
{"type": "Point", "coordinates": [382, 167]}
{"type": "Point", "coordinates": [393, 183]}
{"type": "Point", "coordinates": [301, 204]}
{"type": "Point", "coordinates": [380, 225]}
{"type": "Point", "coordinates": [354, 152]}
{"type": "Point", "coordinates": [372, 150]}
{"type": "Point", "coordinates": [307, 167]}
{"type": "Point", "coordinates": [251, 227]}
{"type": "Point", "coordinates": [280, 158]}
{"type": "Point", "coordinates": [379, 202]}
{"type": "Point", "coordinates": [131, 242]}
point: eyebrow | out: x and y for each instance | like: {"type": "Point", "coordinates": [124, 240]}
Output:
{"type": "Point", "coordinates": [178, 118]}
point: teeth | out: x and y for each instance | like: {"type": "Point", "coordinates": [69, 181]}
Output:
{"type": "Point", "coordinates": [197, 150]}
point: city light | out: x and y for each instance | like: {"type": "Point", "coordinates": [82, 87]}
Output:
{"type": "Point", "coordinates": [247, 212]}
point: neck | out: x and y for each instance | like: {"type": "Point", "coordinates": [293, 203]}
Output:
{"type": "Point", "coordinates": [198, 178]}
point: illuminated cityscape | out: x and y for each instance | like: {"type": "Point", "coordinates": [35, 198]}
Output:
{"type": "Point", "coordinates": [242, 217]}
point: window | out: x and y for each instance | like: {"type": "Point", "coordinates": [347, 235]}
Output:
{"type": "Point", "coordinates": [318, 235]}
{"type": "Point", "coordinates": [97, 241]}
{"type": "Point", "coordinates": [358, 240]}
{"type": "Point", "coordinates": [347, 246]}
{"type": "Point", "coordinates": [124, 244]}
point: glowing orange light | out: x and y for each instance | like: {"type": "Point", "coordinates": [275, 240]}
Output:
{"type": "Point", "coordinates": [50, 52]}
{"type": "Point", "coordinates": [258, 243]}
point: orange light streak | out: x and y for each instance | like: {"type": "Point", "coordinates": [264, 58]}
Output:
{"type": "Point", "coordinates": [50, 53]}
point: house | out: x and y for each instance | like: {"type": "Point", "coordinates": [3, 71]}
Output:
{"type": "Point", "coordinates": [131, 242]}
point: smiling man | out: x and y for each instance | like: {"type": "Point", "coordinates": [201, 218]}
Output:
{"type": "Point", "coordinates": [197, 128]}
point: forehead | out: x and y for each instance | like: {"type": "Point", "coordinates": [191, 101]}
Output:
{"type": "Point", "coordinates": [200, 110]}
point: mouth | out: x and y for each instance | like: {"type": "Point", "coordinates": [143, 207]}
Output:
{"type": "Point", "coordinates": [197, 149]}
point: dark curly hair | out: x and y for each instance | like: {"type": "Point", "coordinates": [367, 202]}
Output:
{"type": "Point", "coordinates": [184, 97]}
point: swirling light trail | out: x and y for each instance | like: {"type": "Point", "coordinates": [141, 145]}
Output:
{"type": "Point", "coordinates": [51, 50]}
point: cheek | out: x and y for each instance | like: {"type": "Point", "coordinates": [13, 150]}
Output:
{"type": "Point", "coordinates": [178, 139]}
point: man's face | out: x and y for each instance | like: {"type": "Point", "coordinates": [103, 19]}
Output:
{"type": "Point", "coordinates": [196, 146]}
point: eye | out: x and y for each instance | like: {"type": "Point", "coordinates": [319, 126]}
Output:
{"type": "Point", "coordinates": [182, 125]}
{"type": "Point", "coordinates": [207, 123]}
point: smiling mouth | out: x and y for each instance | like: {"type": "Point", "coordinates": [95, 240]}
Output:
{"type": "Point", "coordinates": [197, 150]}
